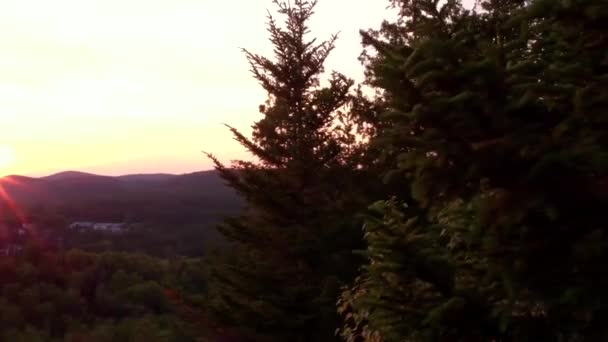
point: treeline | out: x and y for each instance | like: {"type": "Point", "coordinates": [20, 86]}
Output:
{"type": "Point", "coordinates": [159, 240]}
{"type": "Point", "coordinates": [168, 209]}
{"type": "Point", "coordinates": [463, 201]}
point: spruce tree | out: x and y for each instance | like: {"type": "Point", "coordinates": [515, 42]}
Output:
{"type": "Point", "coordinates": [292, 246]}
{"type": "Point", "coordinates": [498, 120]}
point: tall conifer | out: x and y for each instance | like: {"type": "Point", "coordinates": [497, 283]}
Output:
{"type": "Point", "coordinates": [293, 244]}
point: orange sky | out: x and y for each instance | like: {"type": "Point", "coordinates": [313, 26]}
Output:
{"type": "Point", "coordinates": [128, 86]}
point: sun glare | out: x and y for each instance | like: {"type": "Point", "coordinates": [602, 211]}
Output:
{"type": "Point", "coordinates": [7, 157]}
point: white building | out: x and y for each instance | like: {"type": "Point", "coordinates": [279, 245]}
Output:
{"type": "Point", "coordinates": [99, 226]}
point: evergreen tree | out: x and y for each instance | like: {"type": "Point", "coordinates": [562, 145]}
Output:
{"type": "Point", "coordinates": [497, 118]}
{"type": "Point", "coordinates": [293, 244]}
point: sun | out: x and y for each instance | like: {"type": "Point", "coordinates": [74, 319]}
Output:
{"type": "Point", "coordinates": [7, 157]}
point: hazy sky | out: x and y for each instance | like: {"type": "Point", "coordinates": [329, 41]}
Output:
{"type": "Point", "coordinates": [126, 86]}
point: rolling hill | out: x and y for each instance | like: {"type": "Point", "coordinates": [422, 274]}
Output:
{"type": "Point", "coordinates": [199, 197]}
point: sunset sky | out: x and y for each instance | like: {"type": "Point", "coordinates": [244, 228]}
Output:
{"type": "Point", "coordinates": [132, 86]}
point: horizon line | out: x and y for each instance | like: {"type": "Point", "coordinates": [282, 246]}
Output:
{"type": "Point", "coordinates": [102, 175]}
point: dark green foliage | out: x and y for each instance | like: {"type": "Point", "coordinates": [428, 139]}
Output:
{"type": "Point", "coordinates": [497, 119]}
{"type": "Point", "coordinates": [78, 296]}
{"type": "Point", "coordinates": [293, 245]}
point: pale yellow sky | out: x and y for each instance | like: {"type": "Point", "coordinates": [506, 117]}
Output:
{"type": "Point", "coordinates": [127, 86]}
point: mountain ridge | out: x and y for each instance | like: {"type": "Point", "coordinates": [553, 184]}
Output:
{"type": "Point", "coordinates": [191, 197]}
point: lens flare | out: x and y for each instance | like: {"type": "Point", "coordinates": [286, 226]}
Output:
{"type": "Point", "coordinates": [11, 205]}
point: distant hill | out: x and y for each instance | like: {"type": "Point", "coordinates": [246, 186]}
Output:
{"type": "Point", "coordinates": [17, 178]}
{"type": "Point", "coordinates": [143, 177]}
{"type": "Point", "coordinates": [198, 197]}
{"type": "Point", "coordinates": [71, 175]}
